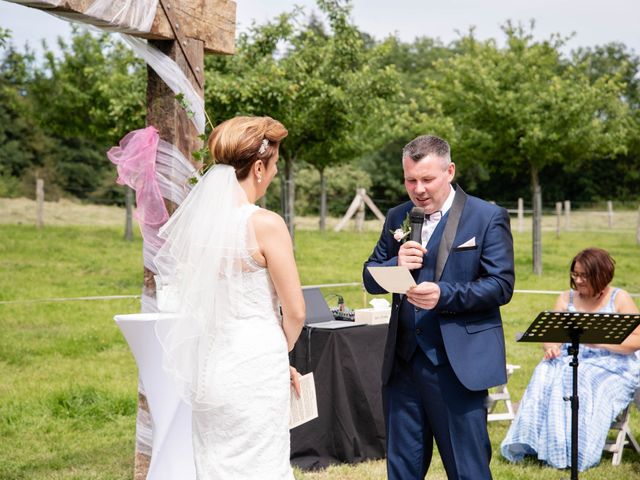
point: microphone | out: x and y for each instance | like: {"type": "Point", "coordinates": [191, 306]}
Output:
{"type": "Point", "coordinates": [416, 217]}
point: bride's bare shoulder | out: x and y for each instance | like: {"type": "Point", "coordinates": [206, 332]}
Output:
{"type": "Point", "coordinates": [266, 220]}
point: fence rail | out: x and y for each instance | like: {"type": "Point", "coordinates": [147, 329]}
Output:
{"type": "Point", "coordinates": [326, 285]}
{"type": "Point", "coordinates": [564, 218]}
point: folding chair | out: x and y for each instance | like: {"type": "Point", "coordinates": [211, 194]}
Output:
{"type": "Point", "coordinates": [624, 435]}
{"type": "Point", "coordinates": [501, 394]}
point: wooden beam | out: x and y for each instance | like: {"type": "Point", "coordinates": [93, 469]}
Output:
{"type": "Point", "coordinates": [211, 21]}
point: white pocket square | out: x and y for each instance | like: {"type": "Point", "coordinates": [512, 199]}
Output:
{"type": "Point", "coordinates": [469, 243]}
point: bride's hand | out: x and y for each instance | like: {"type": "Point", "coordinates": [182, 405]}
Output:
{"type": "Point", "coordinates": [294, 376]}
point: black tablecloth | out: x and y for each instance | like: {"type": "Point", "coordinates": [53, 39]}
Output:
{"type": "Point", "coordinates": [346, 365]}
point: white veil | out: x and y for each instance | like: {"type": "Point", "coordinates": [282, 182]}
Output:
{"type": "Point", "coordinates": [207, 246]}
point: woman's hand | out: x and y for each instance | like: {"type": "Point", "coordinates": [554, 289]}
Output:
{"type": "Point", "coordinates": [294, 377]}
{"type": "Point", "coordinates": [552, 350]}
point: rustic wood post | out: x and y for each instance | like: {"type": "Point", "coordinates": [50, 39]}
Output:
{"type": "Point", "coordinates": [323, 201]}
{"type": "Point", "coordinates": [520, 214]}
{"type": "Point", "coordinates": [610, 213]}
{"type": "Point", "coordinates": [360, 212]}
{"type": "Point", "coordinates": [39, 203]}
{"type": "Point", "coordinates": [289, 196]}
{"type": "Point", "coordinates": [567, 214]}
{"type": "Point", "coordinates": [175, 127]}
{"type": "Point", "coordinates": [638, 228]}
{"type": "Point", "coordinates": [128, 222]}
{"type": "Point", "coordinates": [558, 215]}
{"type": "Point", "coordinates": [537, 231]}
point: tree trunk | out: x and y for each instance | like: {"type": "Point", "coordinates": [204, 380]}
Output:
{"type": "Point", "coordinates": [323, 201]}
{"type": "Point", "coordinates": [288, 192]}
{"type": "Point", "coordinates": [39, 203]}
{"type": "Point", "coordinates": [537, 222]}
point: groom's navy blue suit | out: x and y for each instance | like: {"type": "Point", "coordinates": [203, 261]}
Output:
{"type": "Point", "coordinates": [439, 363]}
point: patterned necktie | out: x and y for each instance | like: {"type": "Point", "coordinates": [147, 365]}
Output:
{"type": "Point", "coordinates": [434, 216]}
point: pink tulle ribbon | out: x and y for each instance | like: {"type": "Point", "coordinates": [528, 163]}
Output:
{"type": "Point", "coordinates": [135, 158]}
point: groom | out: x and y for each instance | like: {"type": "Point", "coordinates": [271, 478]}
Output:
{"type": "Point", "coordinates": [445, 345]}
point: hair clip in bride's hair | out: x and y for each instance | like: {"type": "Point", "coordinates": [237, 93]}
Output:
{"type": "Point", "coordinates": [263, 146]}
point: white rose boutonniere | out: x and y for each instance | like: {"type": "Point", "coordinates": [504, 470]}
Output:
{"type": "Point", "coordinates": [401, 234]}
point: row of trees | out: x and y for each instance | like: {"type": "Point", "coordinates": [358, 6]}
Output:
{"type": "Point", "coordinates": [522, 115]}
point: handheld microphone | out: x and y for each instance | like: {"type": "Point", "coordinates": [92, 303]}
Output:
{"type": "Point", "coordinates": [416, 217]}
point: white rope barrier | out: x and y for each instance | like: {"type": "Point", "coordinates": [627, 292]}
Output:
{"type": "Point", "coordinates": [324, 285]}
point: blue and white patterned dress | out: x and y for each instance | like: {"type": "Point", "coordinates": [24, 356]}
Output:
{"type": "Point", "coordinates": [606, 384]}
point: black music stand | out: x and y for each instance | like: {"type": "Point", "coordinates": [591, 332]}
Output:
{"type": "Point", "coordinates": [576, 328]}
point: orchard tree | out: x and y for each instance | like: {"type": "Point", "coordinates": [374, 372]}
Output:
{"type": "Point", "coordinates": [348, 94]}
{"type": "Point", "coordinates": [521, 108]}
{"type": "Point", "coordinates": [99, 88]}
{"type": "Point", "coordinates": [24, 146]}
{"type": "Point", "coordinates": [602, 178]}
{"type": "Point", "coordinates": [326, 88]}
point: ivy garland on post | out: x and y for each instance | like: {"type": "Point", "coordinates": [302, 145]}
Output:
{"type": "Point", "coordinates": [203, 155]}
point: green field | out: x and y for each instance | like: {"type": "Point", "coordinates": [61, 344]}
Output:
{"type": "Point", "coordinates": [68, 390]}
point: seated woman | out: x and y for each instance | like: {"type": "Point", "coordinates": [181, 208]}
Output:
{"type": "Point", "coordinates": [608, 376]}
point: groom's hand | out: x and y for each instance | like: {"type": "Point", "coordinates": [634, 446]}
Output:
{"type": "Point", "coordinates": [425, 295]}
{"type": "Point", "coordinates": [410, 255]}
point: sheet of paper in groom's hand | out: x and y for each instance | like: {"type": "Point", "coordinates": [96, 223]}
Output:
{"type": "Point", "coordinates": [305, 407]}
{"type": "Point", "coordinates": [393, 279]}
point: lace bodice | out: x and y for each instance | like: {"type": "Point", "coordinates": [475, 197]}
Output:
{"type": "Point", "coordinates": [249, 294]}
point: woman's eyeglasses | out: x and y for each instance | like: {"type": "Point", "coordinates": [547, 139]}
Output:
{"type": "Point", "coordinates": [579, 276]}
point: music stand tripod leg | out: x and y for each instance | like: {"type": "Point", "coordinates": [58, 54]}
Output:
{"type": "Point", "coordinates": [573, 350]}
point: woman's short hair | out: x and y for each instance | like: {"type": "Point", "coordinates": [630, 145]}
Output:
{"type": "Point", "coordinates": [241, 141]}
{"type": "Point", "coordinates": [599, 268]}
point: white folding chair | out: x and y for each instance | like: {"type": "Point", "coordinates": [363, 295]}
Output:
{"type": "Point", "coordinates": [501, 394]}
{"type": "Point", "coordinates": [624, 436]}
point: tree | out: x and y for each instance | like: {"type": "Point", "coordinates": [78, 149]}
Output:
{"type": "Point", "coordinates": [522, 108]}
{"type": "Point", "coordinates": [348, 88]}
{"type": "Point", "coordinates": [407, 115]}
{"type": "Point", "coordinates": [24, 147]}
{"type": "Point", "coordinates": [324, 86]}
{"type": "Point", "coordinates": [602, 178]}
{"type": "Point", "coordinates": [85, 99]}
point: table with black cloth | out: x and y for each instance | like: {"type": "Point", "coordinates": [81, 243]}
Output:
{"type": "Point", "coordinates": [346, 364]}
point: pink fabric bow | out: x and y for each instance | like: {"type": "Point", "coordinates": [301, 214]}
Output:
{"type": "Point", "coordinates": [135, 158]}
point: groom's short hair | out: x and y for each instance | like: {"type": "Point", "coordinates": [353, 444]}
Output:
{"type": "Point", "coordinates": [424, 145]}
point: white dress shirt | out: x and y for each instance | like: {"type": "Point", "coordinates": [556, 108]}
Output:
{"type": "Point", "coordinates": [430, 225]}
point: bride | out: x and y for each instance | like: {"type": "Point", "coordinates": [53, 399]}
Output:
{"type": "Point", "coordinates": [227, 348]}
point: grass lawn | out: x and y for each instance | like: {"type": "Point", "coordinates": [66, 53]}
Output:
{"type": "Point", "coordinates": [68, 390]}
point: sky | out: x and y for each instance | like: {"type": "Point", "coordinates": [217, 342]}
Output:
{"type": "Point", "coordinates": [594, 22]}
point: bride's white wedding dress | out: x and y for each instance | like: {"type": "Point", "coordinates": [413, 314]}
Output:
{"type": "Point", "coordinates": [244, 432]}
{"type": "Point", "coordinates": [224, 347]}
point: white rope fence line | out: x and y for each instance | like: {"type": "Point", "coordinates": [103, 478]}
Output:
{"type": "Point", "coordinates": [324, 285]}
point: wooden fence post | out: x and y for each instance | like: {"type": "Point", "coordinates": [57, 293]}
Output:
{"type": "Point", "coordinates": [520, 215]}
{"type": "Point", "coordinates": [39, 203]}
{"type": "Point", "coordinates": [567, 214]}
{"type": "Point", "coordinates": [610, 213]}
{"type": "Point", "coordinates": [558, 217]}
{"type": "Point", "coordinates": [537, 231]}
{"type": "Point", "coordinates": [128, 223]}
{"type": "Point", "coordinates": [360, 212]}
{"type": "Point", "coordinates": [638, 228]}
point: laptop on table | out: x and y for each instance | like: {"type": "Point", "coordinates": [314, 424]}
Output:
{"type": "Point", "coordinates": [319, 314]}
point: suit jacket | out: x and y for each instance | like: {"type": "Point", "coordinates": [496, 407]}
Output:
{"type": "Point", "coordinates": [474, 282]}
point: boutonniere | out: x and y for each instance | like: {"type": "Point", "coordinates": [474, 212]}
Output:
{"type": "Point", "coordinates": [401, 234]}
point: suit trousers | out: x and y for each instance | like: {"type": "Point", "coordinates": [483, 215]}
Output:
{"type": "Point", "coordinates": [423, 402]}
